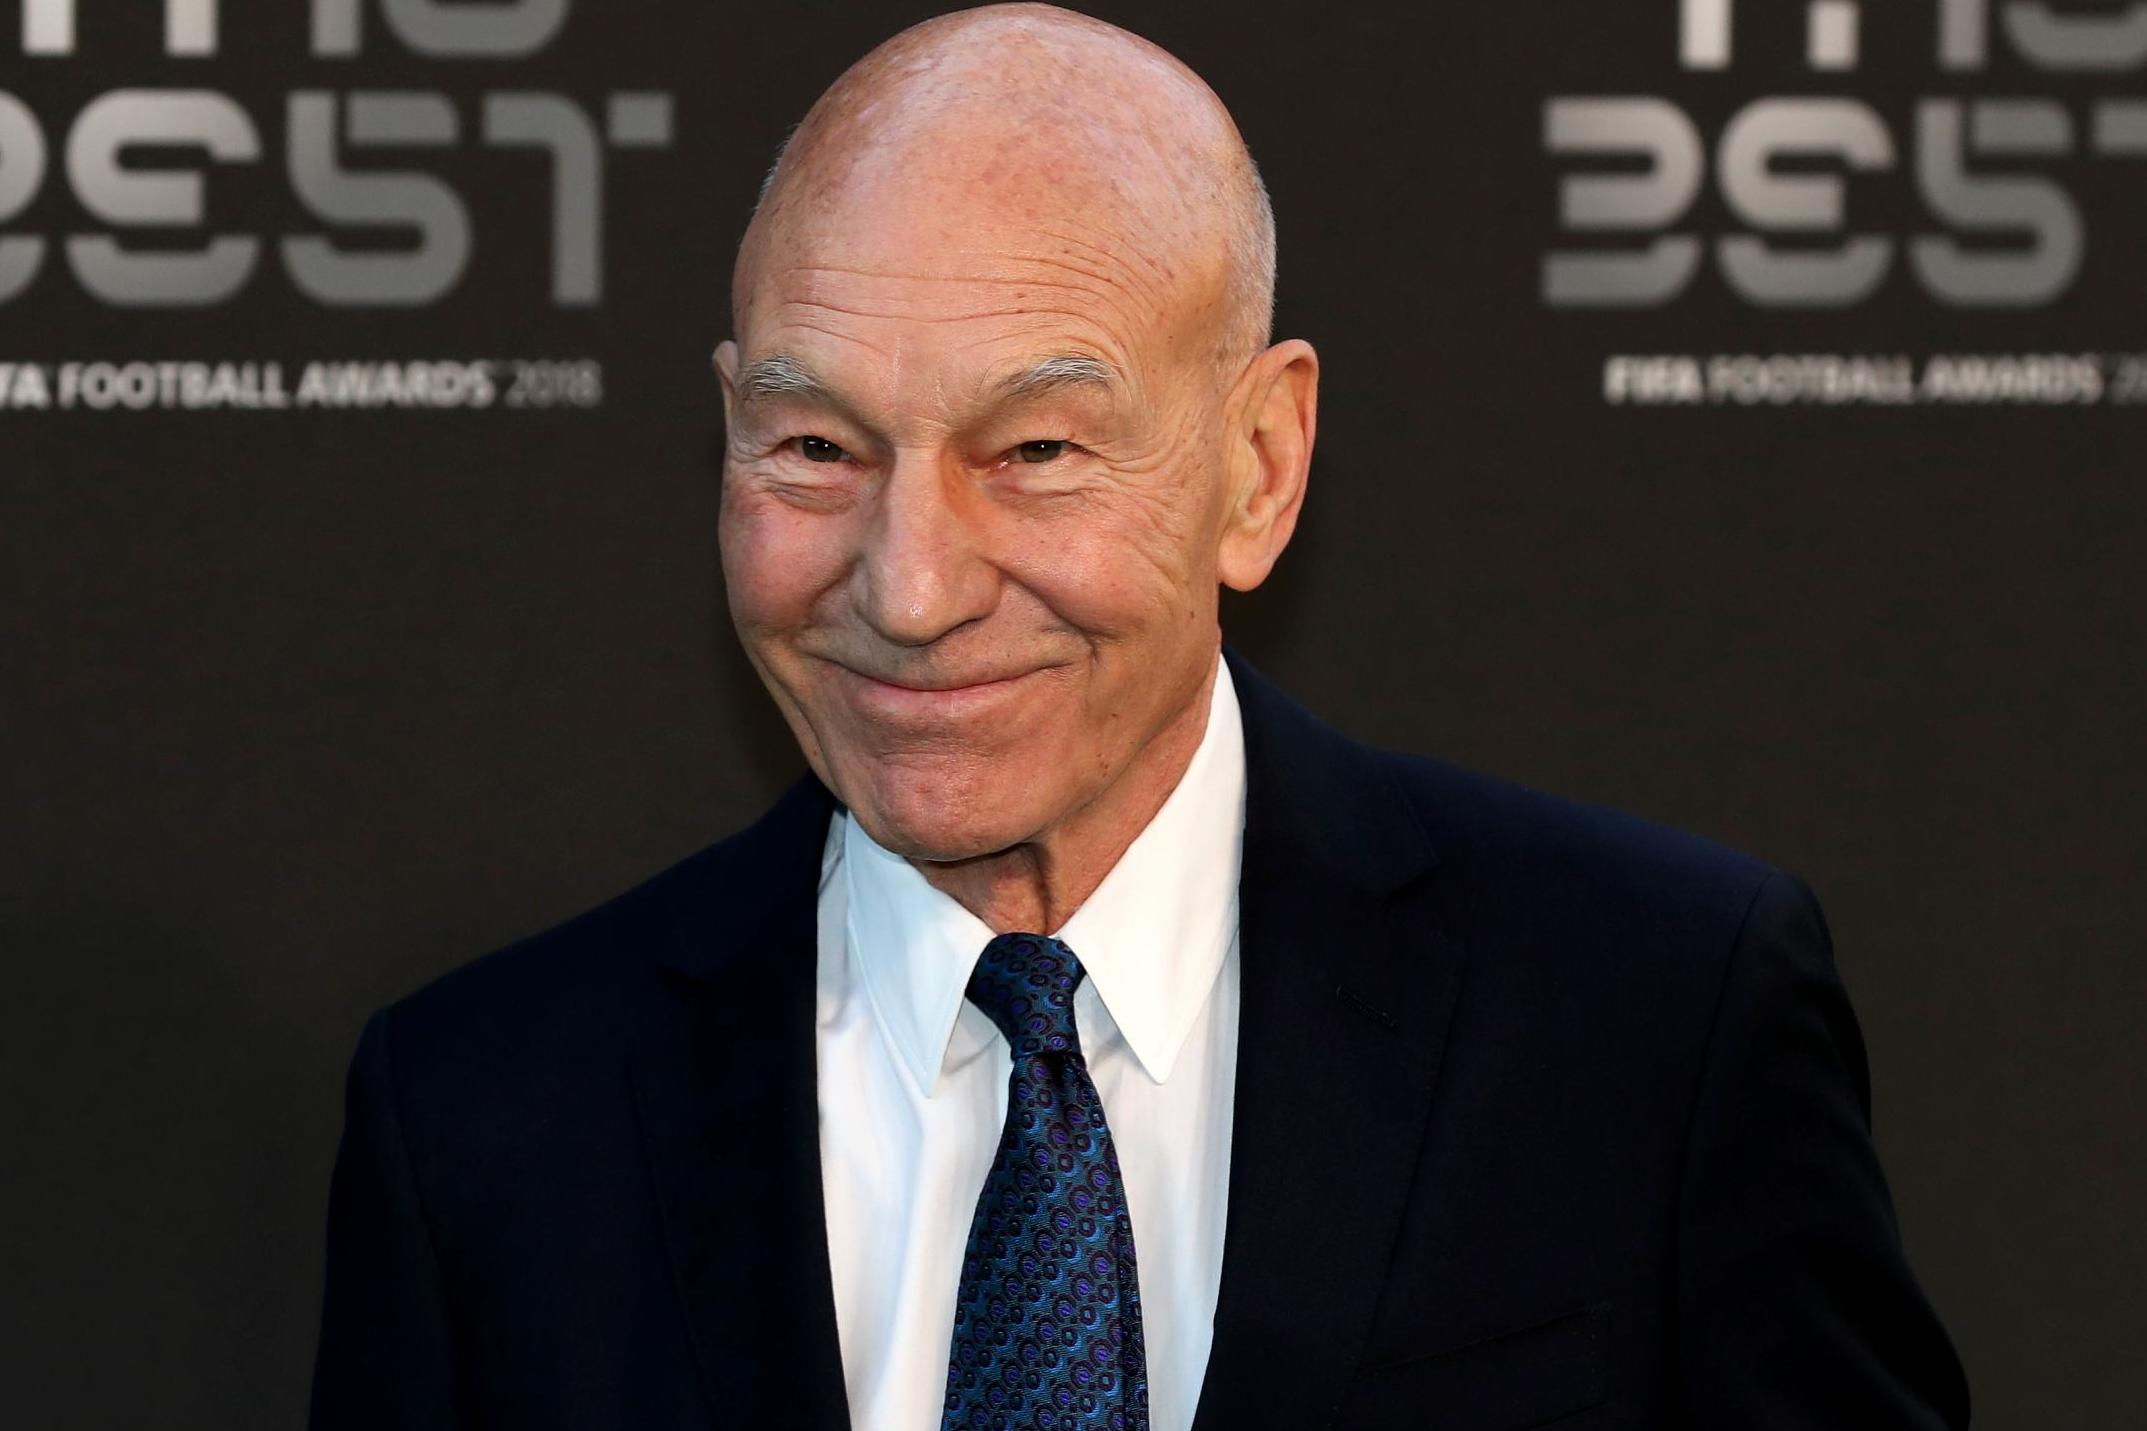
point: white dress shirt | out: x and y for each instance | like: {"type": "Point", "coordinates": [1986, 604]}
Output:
{"type": "Point", "coordinates": [913, 1084]}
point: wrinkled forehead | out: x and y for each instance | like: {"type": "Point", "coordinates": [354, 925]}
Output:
{"type": "Point", "coordinates": [959, 264]}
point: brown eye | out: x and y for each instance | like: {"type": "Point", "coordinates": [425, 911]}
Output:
{"type": "Point", "coordinates": [819, 449]}
{"type": "Point", "coordinates": [1041, 450]}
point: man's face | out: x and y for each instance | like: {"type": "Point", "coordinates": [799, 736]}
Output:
{"type": "Point", "coordinates": [971, 508]}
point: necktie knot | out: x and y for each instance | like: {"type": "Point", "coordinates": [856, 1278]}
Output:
{"type": "Point", "coordinates": [1025, 983]}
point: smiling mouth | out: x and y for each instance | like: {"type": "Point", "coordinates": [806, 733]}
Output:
{"type": "Point", "coordinates": [944, 688]}
{"type": "Point", "coordinates": [927, 697]}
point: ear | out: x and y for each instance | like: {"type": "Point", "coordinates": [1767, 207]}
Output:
{"type": "Point", "coordinates": [1269, 461]}
{"type": "Point", "coordinates": [725, 361]}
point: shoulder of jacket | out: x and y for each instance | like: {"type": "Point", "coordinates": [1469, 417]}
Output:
{"type": "Point", "coordinates": [1584, 854]}
{"type": "Point", "coordinates": [570, 979]}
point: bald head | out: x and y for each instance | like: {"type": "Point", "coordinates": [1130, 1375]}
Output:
{"type": "Point", "coordinates": [1094, 134]}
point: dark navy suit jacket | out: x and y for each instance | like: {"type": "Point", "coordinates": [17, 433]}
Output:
{"type": "Point", "coordinates": [1546, 1116]}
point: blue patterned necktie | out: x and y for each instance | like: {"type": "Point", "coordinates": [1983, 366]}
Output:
{"type": "Point", "coordinates": [1047, 1323]}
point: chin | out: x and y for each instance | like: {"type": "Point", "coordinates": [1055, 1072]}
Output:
{"type": "Point", "coordinates": [947, 815]}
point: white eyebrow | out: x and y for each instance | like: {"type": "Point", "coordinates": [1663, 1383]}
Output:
{"type": "Point", "coordinates": [779, 375]}
{"type": "Point", "coordinates": [1069, 370]}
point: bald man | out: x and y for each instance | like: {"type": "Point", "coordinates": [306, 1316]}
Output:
{"type": "Point", "coordinates": [1092, 1037]}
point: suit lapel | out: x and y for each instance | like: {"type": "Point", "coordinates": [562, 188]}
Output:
{"type": "Point", "coordinates": [1347, 984]}
{"type": "Point", "coordinates": [725, 1088]}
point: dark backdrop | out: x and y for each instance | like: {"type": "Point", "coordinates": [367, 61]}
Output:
{"type": "Point", "coordinates": [305, 705]}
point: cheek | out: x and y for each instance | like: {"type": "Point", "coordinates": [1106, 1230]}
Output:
{"type": "Point", "coordinates": [1123, 562]}
{"type": "Point", "coordinates": [777, 561]}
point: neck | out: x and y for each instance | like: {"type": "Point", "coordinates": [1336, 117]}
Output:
{"type": "Point", "coordinates": [1036, 886]}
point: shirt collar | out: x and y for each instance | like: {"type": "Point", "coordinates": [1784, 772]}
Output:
{"type": "Point", "coordinates": [1152, 936]}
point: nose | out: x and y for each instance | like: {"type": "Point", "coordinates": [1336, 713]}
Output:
{"type": "Point", "coordinates": [924, 570]}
